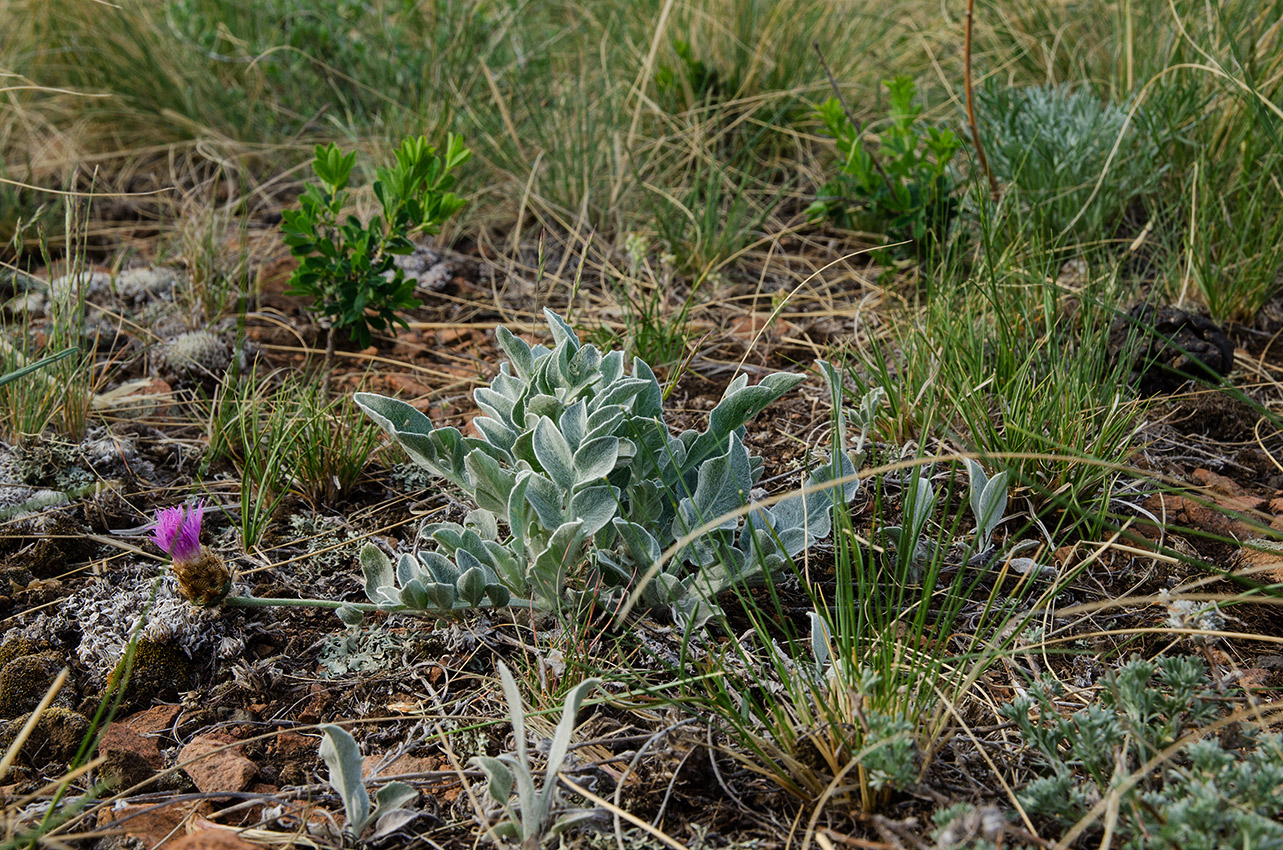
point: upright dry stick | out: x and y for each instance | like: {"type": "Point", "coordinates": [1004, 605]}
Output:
{"type": "Point", "coordinates": [971, 108]}
{"type": "Point", "coordinates": [850, 116]}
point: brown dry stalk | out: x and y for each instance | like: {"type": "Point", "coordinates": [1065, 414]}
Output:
{"type": "Point", "coordinates": [971, 107]}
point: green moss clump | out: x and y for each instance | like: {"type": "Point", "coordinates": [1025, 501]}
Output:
{"type": "Point", "coordinates": [26, 678]}
{"type": "Point", "coordinates": [58, 736]}
{"type": "Point", "coordinates": [17, 647]}
{"type": "Point", "coordinates": [160, 671]}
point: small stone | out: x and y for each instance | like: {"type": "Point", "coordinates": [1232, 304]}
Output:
{"type": "Point", "coordinates": [159, 718]}
{"type": "Point", "coordinates": [149, 826]}
{"type": "Point", "coordinates": [400, 766]}
{"type": "Point", "coordinates": [214, 766]}
{"type": "Point", "coordinates": [130, 758]}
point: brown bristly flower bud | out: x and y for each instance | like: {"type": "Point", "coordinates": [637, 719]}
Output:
{"type": "Point", "coordinates": [203, 580]}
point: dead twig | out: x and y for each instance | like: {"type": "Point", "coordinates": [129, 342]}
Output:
{"type": "Point", "coordinates": [850, 116]}
{"type": "Point", "coordinates": [971, 107]}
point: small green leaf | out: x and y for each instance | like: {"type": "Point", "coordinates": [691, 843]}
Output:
{"type": "Point", "coordinates": [471, 587]}
{"type": "Point", "coordinates": [394, 795]}
{"type": "Point", "coordinates": [498, 777]}
{"type": "Point", "coordinates": [350, 615]}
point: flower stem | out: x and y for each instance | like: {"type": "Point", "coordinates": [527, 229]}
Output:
{"type": "Point", "coordinates": [270, 602]}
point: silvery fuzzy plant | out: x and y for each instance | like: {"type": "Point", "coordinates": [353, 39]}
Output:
{"type": "Point", "coordinates": [575, 464]}
{"type": "Point", "coordinates": [530, 822]}
{"type": "Point", "coordinates": [388, 814]}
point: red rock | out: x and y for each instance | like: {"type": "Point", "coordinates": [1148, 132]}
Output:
{"type": "Point", "coordinates": [291, 744]}
{"type": "Point", "coordinates": [214, 766]}
{"type": "Point", "coordinates": [1188, 512]}
{"type": "Point", "coordinates": [399, 766]}
{"type": "Point", "coordinates": [212, 839]}
{"type": "Point", "coordinates": [1261, 565]}
{"type": "Point", "coordinates": [150, 826]}
{"type": "Point", "coordinates": [159, 718]}
{"type": "Point", "coordinates": [118, 736]}
{"type": "Point", "coordinates": [129, 759]}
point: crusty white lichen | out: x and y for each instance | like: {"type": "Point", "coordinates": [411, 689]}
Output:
{"type": "Point", "coordinates": [108, 609]}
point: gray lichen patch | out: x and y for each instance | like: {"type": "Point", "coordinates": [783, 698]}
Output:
{"type": "Point", "coordinates": [108, 610]}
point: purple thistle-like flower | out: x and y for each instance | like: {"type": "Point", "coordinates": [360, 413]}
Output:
{"type": "Point", "coordinates": [177, 531]}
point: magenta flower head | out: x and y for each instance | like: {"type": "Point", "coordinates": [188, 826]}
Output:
{"type": "Point", "coordinates": [202, 575]}
{"type": "Point", "coordinates": [177, 531]}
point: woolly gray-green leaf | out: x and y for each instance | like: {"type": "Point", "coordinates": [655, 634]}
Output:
{"type": "Point", "coordinates": [526, 794]}
{"type": "Point", "coordinates": [595, 459]}
{"type": "Point", "coordinates": [564, 550]}
{"type": "Point", "coordinates": [977, 480]}
{"type": "Point", "coordinates": [471, 587]}
{"type": "Point", "coordinates": [722, 486]}
{"type": "Point", "coordinates": [553, 453]}
{"type": "Point", "coordinates": [740, 404]}
{"type": "Point", "coordinates": [494, 404]}
{"type": "Point", "coordinates": [495, 432]}
{"type": "Point", "coordinates": [498, 777]}
{"type": "Point", "coordinates": [574, 424]}
{"type": "Point", "coordinates": [993, 504]}
{"type": "Point", "coordinates": [483, 522]}
{"type": "Point", "coordinates": [377, 569]}
{"type": "Point", "coordinates": [341, 754]}
{"type": "Point", "coordinates": [561, 743]}
{"type": "Point", "coordinates": [437, 568]}
{"type": "Point", "coordinates": [439, 450]}
{"type": "Point", "coordinates": [415, 596]}
{"type": "Point", "coordinates": [393, 795]}
{"type": "Point", "coordinates": [350, 615]}
{"type": "Point", "coordinates": [498, 595]}
{"type": "Point", "coordinates": [545, 497]}
{"type": "Point", "coordinates": [491, 482]}
{"type": "Point", "coordinates": [561, 331]}
{"type": "Point", "coordinates": [441, 596]}
{"type": "Point", "coordinates": [518, 352]}
{"type": "Point", "coordinates": [594, 507]}
{"type": "Point", "coordinates": [819, 641]}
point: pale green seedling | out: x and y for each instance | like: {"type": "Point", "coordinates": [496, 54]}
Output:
{"type": "Point", "coordinates": [530, 822]}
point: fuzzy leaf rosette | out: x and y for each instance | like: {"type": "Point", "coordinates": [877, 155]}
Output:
{"type": "Point", "coordinates": [203, 576]}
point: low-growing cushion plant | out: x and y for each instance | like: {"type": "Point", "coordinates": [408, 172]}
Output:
{"type": "Point", "coordinates": [1141, 742]}
{"type": "Point", "coordinates": [580, 485]}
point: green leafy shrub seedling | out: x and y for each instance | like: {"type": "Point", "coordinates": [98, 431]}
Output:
{"type": "Point", "coordinates": [906, 190]}
{"type": "Point", "coordinates": [348, 267]}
